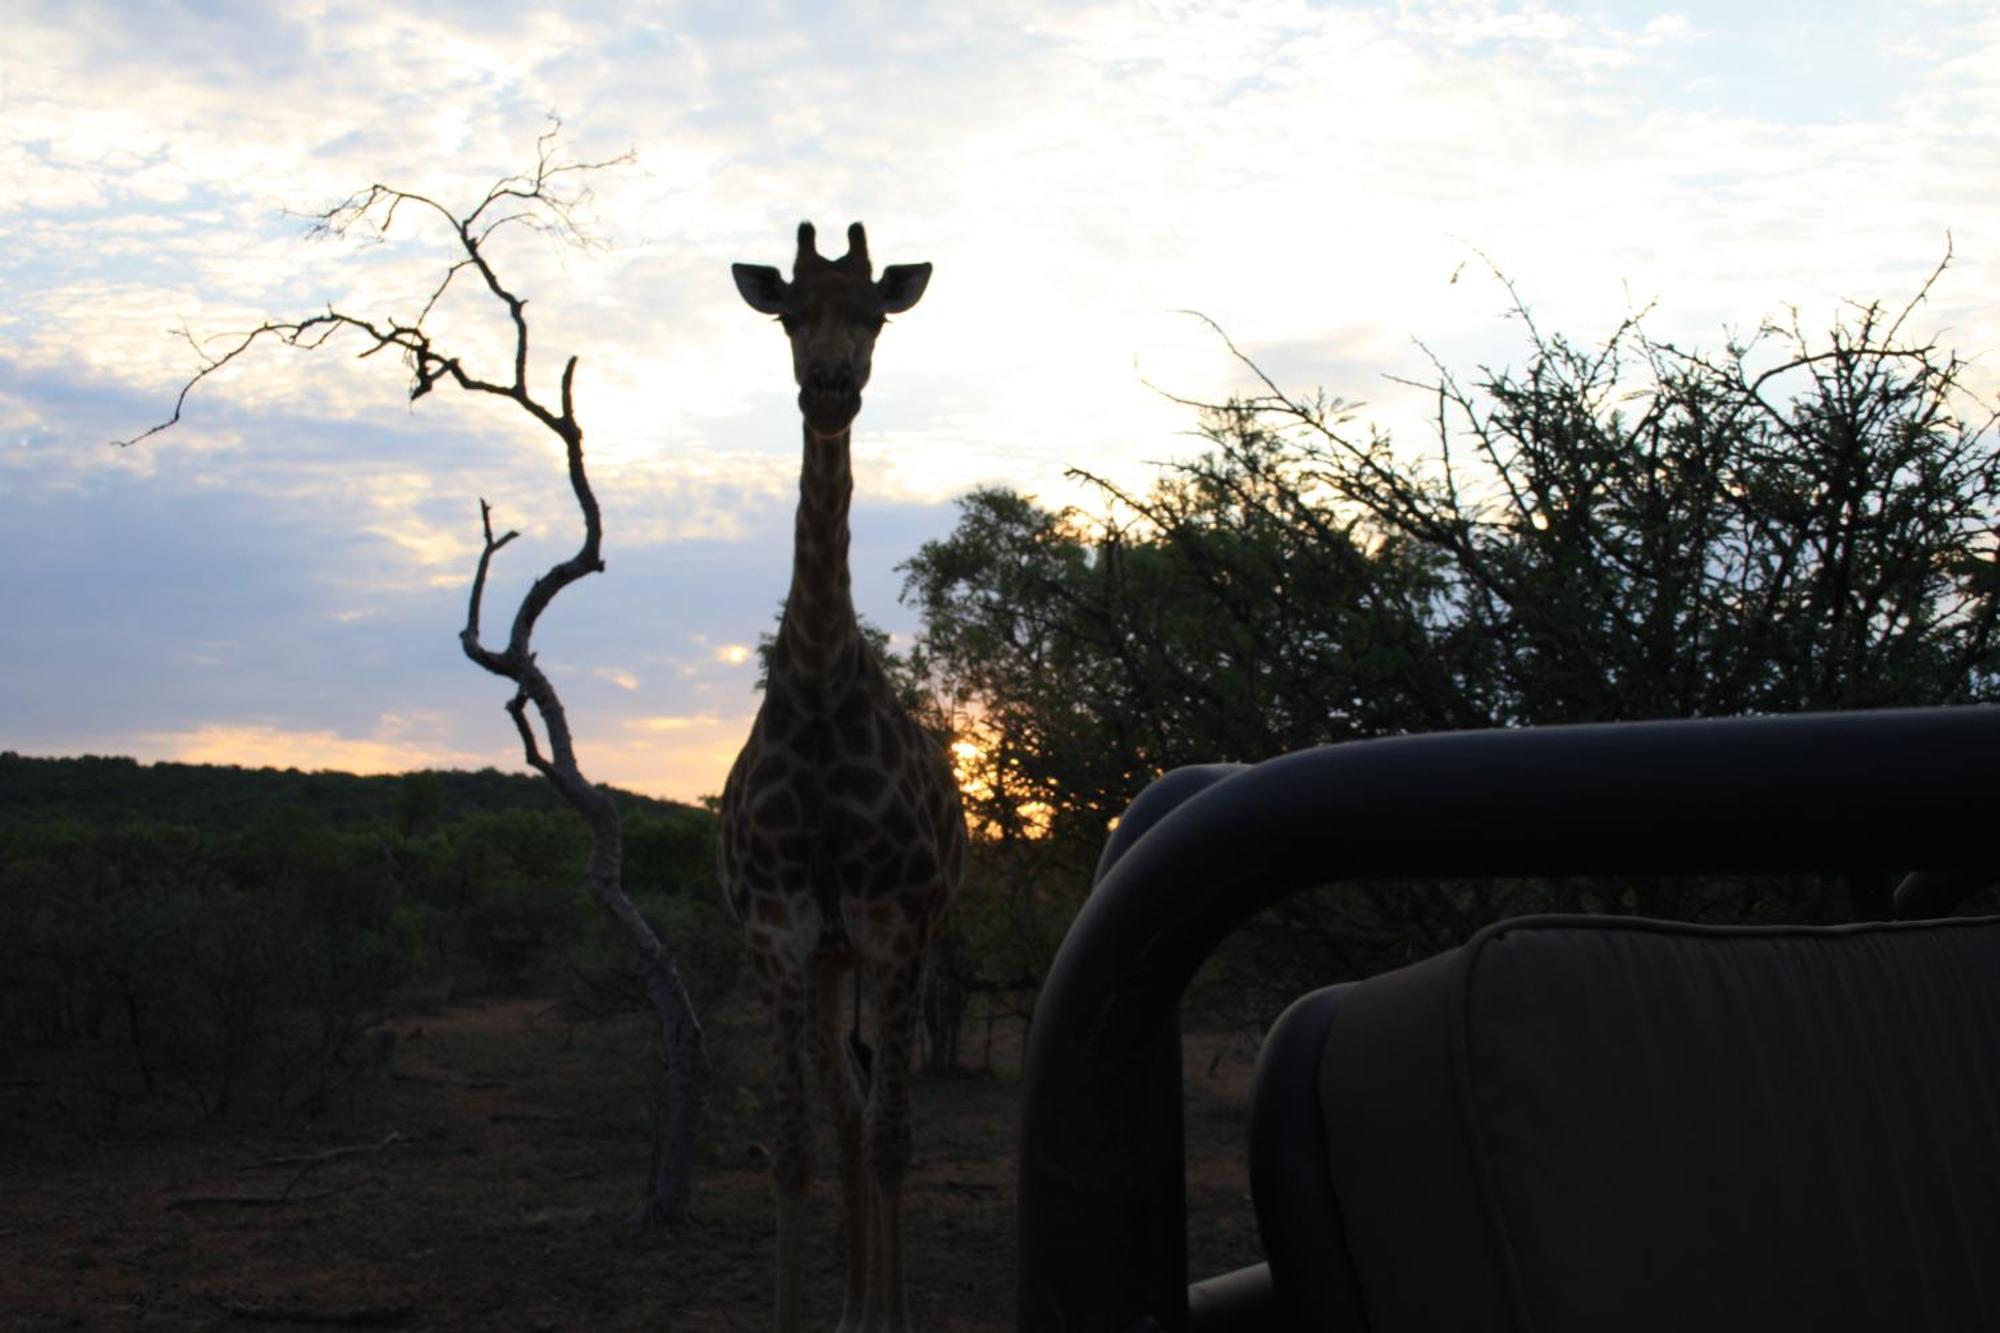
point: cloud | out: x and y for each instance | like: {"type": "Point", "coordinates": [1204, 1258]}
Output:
{"type": "Point", "coordinates": [291, 561]}
{"type": "Point", "coordinates": [668, 723]}
{"type": "Point", "coordinates": [678, 757]}
{"type": "Point", "coordinates": [1057, 172]}
{"type": "Point", "coordinates": [168, 613]}
{"type": "Point", "coordinates": [255, 746]}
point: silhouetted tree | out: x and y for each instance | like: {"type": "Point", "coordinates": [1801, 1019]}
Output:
{"type": "Point", "coordinates": [544, 199]}
{"type": "Point", "coordinates": [1636, 530]}
{"type": "Point", "coordinates": [1625, 531]}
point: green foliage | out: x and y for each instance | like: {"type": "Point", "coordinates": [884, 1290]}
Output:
{"type": "Point", "coordinates": [514, 925]}
{"type": "Point", "coordinates": [208, 962]}
{"type": "Point", "coordinates": [670, 875]}
{"type": "Point", "coordinates": [708, 953]}
{"type": "Point", "coordinates": [420, 803]}
{"type": "Point", "coordinates": [670, 853]}
{"type": "Point", "coordinates": [110, 789]}
{"type": "Point", "coordinates": [1626, 531]}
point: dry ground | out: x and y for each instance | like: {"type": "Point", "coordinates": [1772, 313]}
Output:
{"type": "Point", "coordinates": [502, 1202]}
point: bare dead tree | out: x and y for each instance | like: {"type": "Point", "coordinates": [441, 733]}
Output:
{"type": "Point", "coordinates": [545, 200]}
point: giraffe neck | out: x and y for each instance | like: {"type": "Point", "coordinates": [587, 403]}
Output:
{"type": "Point", "coordinates": [819, 621]}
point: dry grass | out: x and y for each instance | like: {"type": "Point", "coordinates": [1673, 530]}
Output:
{"type": "Point", "coordinates": [504, 1203]}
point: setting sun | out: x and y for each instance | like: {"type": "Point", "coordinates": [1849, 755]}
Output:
{"type": "Point", "coordinates": [975, 766]}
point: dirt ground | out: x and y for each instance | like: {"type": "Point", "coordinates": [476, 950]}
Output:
{"type": "Point", "coordinates": [502, 1201]}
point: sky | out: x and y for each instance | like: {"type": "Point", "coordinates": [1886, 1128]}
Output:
{"type": "Point", "coordinates": [280, 578]}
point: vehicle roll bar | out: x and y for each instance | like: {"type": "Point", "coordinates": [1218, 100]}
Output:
{"type": "Point", "coordinates": [1102, 1178]}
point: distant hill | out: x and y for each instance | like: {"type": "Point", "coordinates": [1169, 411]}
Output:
{"type": "Point", "coordinates": [103, 789]}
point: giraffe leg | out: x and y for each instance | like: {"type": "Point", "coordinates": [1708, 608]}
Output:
{"type": "Point", "coordinates": [791, 1157]}
{"type": "Point", "coordinates": [893, 984]}
{"type": "Point", "coordinates": [843, 1095]}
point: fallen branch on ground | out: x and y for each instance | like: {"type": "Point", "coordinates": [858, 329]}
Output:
{"type": "Point", "coordinates": [315, 1159]}
{"type": "Point", "coordinates": [252, 1200]}
{"type": "Point", "coordinates": [356, 1316]}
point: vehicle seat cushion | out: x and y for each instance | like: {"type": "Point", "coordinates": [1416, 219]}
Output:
{"type": "Point", "coordinates": [1579, 1123]}
{"type": "Point", "coordinates": [1298, 1219]}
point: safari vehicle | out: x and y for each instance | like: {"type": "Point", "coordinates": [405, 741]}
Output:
{"type": "Point", "coordinates": [1583, 1123]}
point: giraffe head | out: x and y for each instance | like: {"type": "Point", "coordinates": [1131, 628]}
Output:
{"type": "Point", "coordinates": [831, 309]}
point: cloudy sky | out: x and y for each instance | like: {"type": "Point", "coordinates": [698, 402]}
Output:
{"type": "Point", "coordinates": [279, 579]}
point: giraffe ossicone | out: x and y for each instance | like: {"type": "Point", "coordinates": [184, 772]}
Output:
{"type": "Point", "coordinates": [842, 836]}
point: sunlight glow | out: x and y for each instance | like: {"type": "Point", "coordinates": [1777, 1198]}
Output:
{"type": "Point", "coordinates": [656, 724]}
{"type": "Point", "coordinates": [676, 757]}
{"type": "Point", "coordinates": [262, 746]}
{"type": "Point", "coordinates": [973, 765]}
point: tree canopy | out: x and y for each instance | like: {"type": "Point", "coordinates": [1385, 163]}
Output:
{"type": "Point", "coordinates": [1624, 531]}
{"type": "Point", "coordinates": [1619, 531]}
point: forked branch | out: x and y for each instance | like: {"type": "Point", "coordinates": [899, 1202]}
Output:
{"type": "Point", "coordinates": [546, 200]}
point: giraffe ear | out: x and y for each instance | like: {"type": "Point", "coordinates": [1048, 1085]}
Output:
{"type": "Point", "coordinates": [761, 287]}
{"type": "Point", "coordinates": [902, 285]}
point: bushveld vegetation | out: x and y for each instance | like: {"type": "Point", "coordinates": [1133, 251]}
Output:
{"type": "Point", "coordinates": [1604, 532]}
{"type": "Point", "coordinates": [1621, 530]}
{"type": "Point", "coordinates": [217, 934]}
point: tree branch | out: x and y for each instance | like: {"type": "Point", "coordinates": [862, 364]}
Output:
{"type": "Point", "coordinates": [371, 212]}
{"type": "Point", "coordinates": [469, 637]}
{"type": "Point", "coordinates": [553, 210]}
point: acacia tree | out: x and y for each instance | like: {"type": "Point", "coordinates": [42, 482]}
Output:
{"type": "Point", "coordinates": [1605, 532]}
{"type": "Point", "coordinates": [1638, 530]}
{"type": "Point", "coordinates": [546, 200]}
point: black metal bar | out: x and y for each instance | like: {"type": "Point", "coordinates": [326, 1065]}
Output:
{"type": "Point", "coordinates": [1851, 792]}
{"type": "Point", "coordinates": [1156, 802]}
{"type": "Point", "coordinates": [1158, 1195]}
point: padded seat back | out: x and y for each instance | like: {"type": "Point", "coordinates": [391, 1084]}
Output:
{"type": "Point", "coordinates": [1577, 1124]}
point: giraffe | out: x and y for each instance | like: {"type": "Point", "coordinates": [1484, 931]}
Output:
{"type": "Point", "coordinates": [842, 839]}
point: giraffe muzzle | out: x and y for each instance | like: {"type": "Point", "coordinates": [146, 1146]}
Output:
{"type": "Point", "coordinates": [830, 408]}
